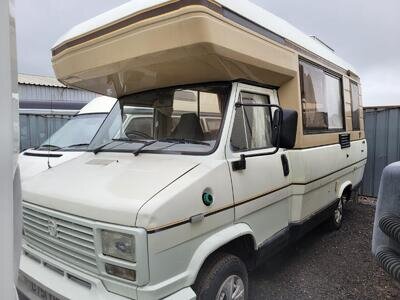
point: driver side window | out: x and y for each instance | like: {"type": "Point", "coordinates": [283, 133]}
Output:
{"type": "Point", "coordinates": [252, 125]}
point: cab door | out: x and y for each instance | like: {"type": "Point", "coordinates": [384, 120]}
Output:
{"type": "Point", "coordinates": [261, 190]}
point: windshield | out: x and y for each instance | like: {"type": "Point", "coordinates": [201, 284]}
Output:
{"type": "Point", "coordinates": [173, 120]}
{"type": "Point", "coordinates": [76, 134]}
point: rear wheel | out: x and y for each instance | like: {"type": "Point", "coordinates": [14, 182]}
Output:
{"type": "Point", "coordinates": [223, 277]}
{"type": "Point", "coordinates": [336, 219]}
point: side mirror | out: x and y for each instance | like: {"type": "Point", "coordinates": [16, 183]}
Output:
{"type": "Point", "coordinates": [285, 129]}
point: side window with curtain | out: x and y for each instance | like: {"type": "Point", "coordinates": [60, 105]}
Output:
{"type": "Point", "coordinates": [321, 98]}
{"type": "Point", "coordinates": [252, 125]}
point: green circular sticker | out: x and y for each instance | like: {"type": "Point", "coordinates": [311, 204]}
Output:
{"type": "Point", "coordinates": [207, 199]}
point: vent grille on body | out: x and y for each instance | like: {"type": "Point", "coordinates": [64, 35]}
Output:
{"type": "Point", "coordinates": [344, 140]}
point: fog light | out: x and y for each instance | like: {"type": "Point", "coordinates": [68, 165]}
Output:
{"type": "Point", "coordinates": [121, 272]}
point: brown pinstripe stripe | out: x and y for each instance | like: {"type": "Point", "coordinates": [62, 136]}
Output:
{"type": "Point", "coordinates": [179, 223]}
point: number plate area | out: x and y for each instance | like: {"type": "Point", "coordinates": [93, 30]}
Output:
{"type": "Point", "coordinates": [34, 290]}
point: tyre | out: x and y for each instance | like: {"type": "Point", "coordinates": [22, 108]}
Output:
{"type": "Point", "coordinates": [336, 219]}
{"type": "Point", "coordinates": [224, 276]}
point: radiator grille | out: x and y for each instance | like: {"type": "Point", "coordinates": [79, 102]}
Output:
{"type": "Point", "coordinates": [63, 239]}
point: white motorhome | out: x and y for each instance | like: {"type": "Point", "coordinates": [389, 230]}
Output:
{"type": "Point", "coordinates": [69, 141]}
{"type": "Point", "coordinates": [182, 209]}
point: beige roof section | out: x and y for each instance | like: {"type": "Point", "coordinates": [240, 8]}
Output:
{"type": "Point", "coordinates": [189, 45]}
{"type": "Point", "coordinates": [39, 80]}
{"type": "Point", "coordinates": [243, 8]}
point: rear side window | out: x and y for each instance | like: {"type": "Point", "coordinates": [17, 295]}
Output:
{"type": "Point", "coordinates": [355, 105]}
{"type": "Point", "coordinates": [321, 98]}
{"type": "Point", "coordinates": [252, 125]}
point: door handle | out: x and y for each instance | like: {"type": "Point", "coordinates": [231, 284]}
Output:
{"type": "Point", "coordinates": [285, 165]}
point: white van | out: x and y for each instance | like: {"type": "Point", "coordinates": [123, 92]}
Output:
{"type": "Point", "coordinates": [182, 209]}
{"type": "Point", "coordinates": [69, 141]}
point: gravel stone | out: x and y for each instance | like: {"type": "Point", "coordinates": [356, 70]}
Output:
{"type": "Point", "coordinates": [327, 265]}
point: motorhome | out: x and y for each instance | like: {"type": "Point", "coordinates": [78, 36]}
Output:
{"type": "Point", "coordinates": [70, 141]}
{"type": "Point", "coordinates": [183, 210]}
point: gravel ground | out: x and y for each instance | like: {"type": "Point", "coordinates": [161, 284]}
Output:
{"type": "Point", "coordinates": [328, 265]}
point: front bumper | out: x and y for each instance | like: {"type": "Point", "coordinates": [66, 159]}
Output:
{"type": "Point", "coordinates": [73, 284]}
{"type": "Point", "coordinates": [62, 286]}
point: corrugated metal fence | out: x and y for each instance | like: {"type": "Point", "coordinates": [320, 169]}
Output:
{"type": "Point", "coordinates": [37, 93]}
{"type": "Point", "coordinates": [36, 128]}
{"type": "Point", "coordinates": [382, 129]}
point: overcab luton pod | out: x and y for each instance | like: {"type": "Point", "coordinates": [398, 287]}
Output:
{"type": "Point", "coordinates": [153, 44]}
{"type": "Point", "coordinates": [233, 135]}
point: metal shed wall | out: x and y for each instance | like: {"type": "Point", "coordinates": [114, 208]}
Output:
{"type": "Point", "coordinates": [37, 92]}
{"type": "Point", "coordinates": [382, 129]}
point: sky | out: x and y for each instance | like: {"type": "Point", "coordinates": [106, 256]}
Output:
{"type": "Point", "coordinates": [365, 33]}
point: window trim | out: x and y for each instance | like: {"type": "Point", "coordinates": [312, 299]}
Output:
{"type": "Point", "coordinates": [351, 98]}
{"type": "Point", "coordinates": [329, 72]}
{"type": "Point", "coordinates": [234, 151]}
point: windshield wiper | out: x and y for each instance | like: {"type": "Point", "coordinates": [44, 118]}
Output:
{"type": "Point", "coordinates": [183, 141]}
{"type": "Point", "coordinates": [145, 145]}
{"type": "Point", "coordinates": [75, 145]}
{"type": "Point", "coordinates": [98, 149]}
{"type": "Point", "coordinates": [175, 141]}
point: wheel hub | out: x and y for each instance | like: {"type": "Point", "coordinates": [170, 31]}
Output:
{"type": "Point", "coordinates": [339, 212]}
{"type": "Point", "coordinates": [231, 289]}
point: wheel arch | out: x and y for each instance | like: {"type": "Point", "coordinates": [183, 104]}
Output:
{"type": "Point", "coordinates": [216, 242]}
{"type": "Point", "coordinates": [345, 188]}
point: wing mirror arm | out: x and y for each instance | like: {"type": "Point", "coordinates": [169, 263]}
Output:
{"type": "Point", "coordinates": [284, 128]}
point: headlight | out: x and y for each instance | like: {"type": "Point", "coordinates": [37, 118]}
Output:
{"type": "Point", "coordinates": [118, 245]}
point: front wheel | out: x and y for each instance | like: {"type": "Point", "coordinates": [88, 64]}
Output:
{"type": "Point", "coordinates": [223, 277]}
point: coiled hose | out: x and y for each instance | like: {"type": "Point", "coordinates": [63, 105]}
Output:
{"type": "Point", "coordinates": [390, 262]}
{"type": "Point", "coordinates": [390, 225]}
{"type": "Point", "coordinates": [387, 258]}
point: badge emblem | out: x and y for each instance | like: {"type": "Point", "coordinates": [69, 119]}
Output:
{"type": "Point", "coordinates": [52, 227]}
